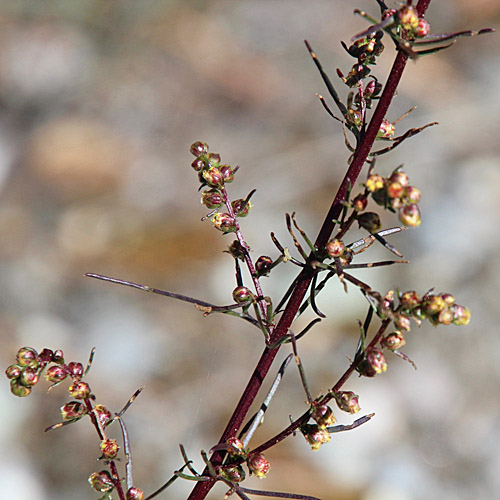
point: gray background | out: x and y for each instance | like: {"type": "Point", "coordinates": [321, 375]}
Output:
{"type": "Point", "coordinates": [99, 103]}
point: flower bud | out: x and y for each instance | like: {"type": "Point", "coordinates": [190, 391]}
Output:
{"type": "Point", "coordinates": [402, 322]}
{"type": "Point", "coordinates": [75, 369]}
{"type": "Point", "coordinates": [348, 401]}
{"type": "Point", "coordinates": [46, 356]}
{"type": "Point", "coordinates": [101, 481]}
{"type": "Point", "coordinates": [241, 207]}
{"type": "Point", "coordinates": [461, 314]}
{"type": "Point", "coordinates": [359, 203]}
{"type": "Point", "coordinates": [315, 436]}
{"type": "Point", "coordinates": [234, 474]}
{"type": "Point", "coordinates": [238, 444]}
{"type": "Point", "coordinates": [198, 148]}
{"type": "Point", "coordinates": [346, 257]}
{"type": "Point", "coordinates": [224, 223]}
{"type": "Point", "coordinates": [409, 300]}
{"type": "Point", "coordinates": [388, 300]}
{"type": "Point", "coordinates": [374, 183]}
{"type": "Point", "coordinates": [19, 389]}
{"type": "Point", "coordinates": [213, 159]}
{"type": "Point", "coordinates": [433, 304]}
{"type": "Point", "coordinates": [386, 129]}
{"type": "Point", "coordinates": [369, 221]}
{"type": "Point", "coordinates": [408, 17]}
{"type": "Point", "coordinates": [79, 390]}
{"type": "Point", "coordinates": [109, 448]}
{"type": "Point", "coordinates": [236, 250]}
{"type": "Point", "coordinates": [227, 173]}
{"type": "Point", "coordinates": [412, 194]}
{"type": "Point", "coordinates": [423, 28]}
{"type": "Point", "coordinates": [448, 298]}
{"type": "Point", "coordinates": [29, 377]}
{"type": "Point", "coordinates": [394, 190]}
{"type": "Point", "coordinates": [241, 295]}
{"type": "Point", "coordinates": [376, 360]}
{"type": "Point", "coordinates": [13, 371]}
{"type": "Point", "coordinates": [258, 465]}
{"type": "Point", "coordinates": [73, 411]}
{"type": "Point", "coordinates": [353, 116]}
{"type": "Point", "coordinates": [26, 356]}
{"type": "Point", "coordinates": [263, 265]}
{"type": "Point", "coordinates": [213, 177]}
{"type": "Point", "coordinates": [198, 165]}
{"type": "Point", "coordinates": [372, 89]}
{"type": "Point", "coordinates": [211, 199]}
{"type": "Point", "coordinates": [400, 177]}
{"type": "Point", "coordinates": [323, 416]}
{"type": "Point", "coordinates": [444, 317]}
{"type": "Point", "coordinates": [394, 340]}
{"type": "Point", "coordinates": [103, 414]}
{"type": "Point", "coordinates": [335, 248]}
{"type": "Point", "coordinates": [409, 215]}
{"type": "Point", "coordinates": [134, 494]}
{"type": "Point", "coordinates": [58, 357]}
{"type": "Point", "coordinates": [56, 373]}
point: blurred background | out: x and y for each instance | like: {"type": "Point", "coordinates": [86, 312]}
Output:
{"type": "Point", "coordinates": [99, 103]}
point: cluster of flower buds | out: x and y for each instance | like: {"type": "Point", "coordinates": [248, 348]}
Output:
{"type": "Point", "coordinates": [406, 19]}
{"type": "Point", "coordinates": [317, 434]}
{"type": "Point", "coordinates": [396, 194]}
{"type": "Point", "coordinates": [213, 176]}
{"type": "Point", "coordinates": [25, 373]}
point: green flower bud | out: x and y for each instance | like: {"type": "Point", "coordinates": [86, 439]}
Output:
{"type": "Point", "coordinates": [101, 481]}
{"type": "Point", "coordinates": [369, 221]}
{"type": "Point", "coordinates": [13, 371]}
{"type": "Point", "coordinates": [29, 377]}
{"type": "Point", "coordinates": [109, 448]}
{"type": "Point", "coordinates": [79, 390]}
{"type": "Point", "coordinates": [26, 356]}
{"type": "Point", "coordinates": [348, 401]}
{"type": "Point", "coordinates": [19, 389]}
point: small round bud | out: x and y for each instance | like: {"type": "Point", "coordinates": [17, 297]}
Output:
{"type": "Point", "coordinates": [409, 215]}
{"type": "Point", "coordinates": [400, 177]}
{"type": "Point", "coordinates": [461, 314]}
{"type": "Point", "coordinates": [394, 340]}
{"type": "Point", "coordinates": [58, 357]}
{"type": "Point", "coordinates": [412, 194]}
{"type": "Point", "coordinates": [315, 436]}
{"type": "Point", "coordinates": [198, 148]}
{"type": "Point", "coordinates": [376, 359]}
{"type": "Point", "coordinates": [75, 369]}
{"type": "Point", "coordinates": [394, 190]}
{"type": "Point", "coordinates": [241, 208]}
{"type": "Point", "coordinates": [213, 159]}
{"type": "Point", "coordinates": [227, 173]}
{"type": "Point", "coordinates": [238, 444]}
{"type": "Point", "coordinates": [234, 474]}
{"type": "Point", "coordinates": [353, 116]}
{"type": "Point", "coordinates": [369, 221]}
{"type": "Point", "coordinates": [103, 414]}
{"type": "Point", "coordinates": [409, 300]}
{"type": "Point", "coordinates": [386, 129]}
{"type": "Point", "coordinates": [101, 481]}
{"type": "Point", "coordinates": [448, 298]}
{"type": "Point", "coordinates": [402, 322]}
{"type": "Point", "coordinates": [408, 17]}
{"type": "Point", "coordinates": [109, 448]}
{"type": "Point", "coordinates": [224, 223]}
{"type": "Point", "coordinates": [423, 28]}
{"type": "Point", "coordinates": [433, 304]}
{"type": "Point", "coordinates": [198, 165]}
{"type": "Point", "coordinates": [323, 416]}
{"type": "Point", "coordinates": [346, 257]}
{"type": "Point", "coordinates": [211, 199]}
{"type": "Point", "coordinates": [236, 250]}
{"type": "Point", "coordinates": [79, 390]}
{"type": "Point", "coordinates": [13, 371]}
{"type": "Point", "coordinates": [335, 248]}
{"type": "Point", "coordinates": [46, 356]}
{"type": "Point", "coordinates": [73, 411]}
{"type": "Point", "coordinates": [258, 465]}
{"type": "Point", "coordinates": [241, 294]}
{"type": "Point", "coordinates": [29, 377]}
{"type": "Point", "coordinates": [213, 177]}
{"type": "Point", "coordinates": [56, 373]}
{"type": "Point", "coordinates": [348, 401]}
{"type": "Point", "coordinates": [374, 183]}
{"type": "Point", "coordinates": [19, 389]}
{"type": "Point", "coordinates": [134, 494]}
{"type": "Point", "coordinates": [444, 317]}
{"type": "Point", "coordinates": [388, 300]}
{"type": "Point", "coordinates": [263, 265]}
{"type": "Point", "coordinates": [26, 356]}
{"type": "Point", "coordinates": [359, 203]}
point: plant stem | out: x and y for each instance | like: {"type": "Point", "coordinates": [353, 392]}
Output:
{"type": "Point", "coordinates": [201, 489]}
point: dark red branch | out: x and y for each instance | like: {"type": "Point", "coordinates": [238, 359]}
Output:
{"type": "Point", "coordinates": [201, 489]}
